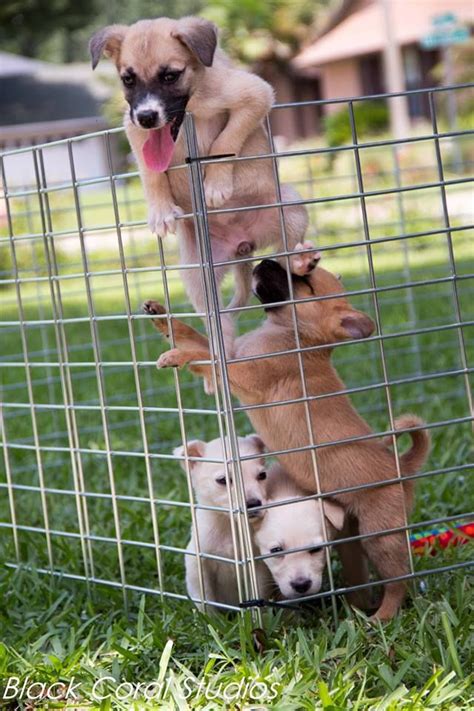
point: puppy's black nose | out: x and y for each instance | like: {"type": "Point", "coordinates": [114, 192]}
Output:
{"type": "Point", "coordinates": [301, 585]}
{"type": "Point", "coordinates": [253, 503]}
{"type": "Point", "coordinates": [147, 119]}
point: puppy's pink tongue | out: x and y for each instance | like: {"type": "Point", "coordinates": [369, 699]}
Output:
{"type": "Point", "coordinates": [158, 149]}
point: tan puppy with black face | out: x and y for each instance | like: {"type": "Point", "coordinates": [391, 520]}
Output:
{"type": "Point", "coordinates": [321, 322]}
{"type": "Point", "coordinates": [171, 66]}
{"type": "Point", "coordinates": [214, 528]}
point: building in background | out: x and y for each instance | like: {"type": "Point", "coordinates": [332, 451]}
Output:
{"type": "Point", "coordinates": [292, 85]}
{"type": "Point", "coordinates": [347, 58]}
{"type": "Point", "coordinates": [44, 102]}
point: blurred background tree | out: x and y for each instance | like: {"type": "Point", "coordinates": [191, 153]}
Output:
{"type": "Point", "coordinates": [265, 30]}
{"type": "Point", "coordinates": [26, 25]}
{"type": "Point", "coordinates": [252, 30]}
{"type": "Point", "coordinates": [58, 30]}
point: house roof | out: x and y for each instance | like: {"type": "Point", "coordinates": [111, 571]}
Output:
{"type": "Point", "coordinates": [361, 32]}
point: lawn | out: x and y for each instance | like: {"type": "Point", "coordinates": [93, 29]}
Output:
{"type": "Point", "coordinates": [56, 629]}
{"type": "Point", "coordinates": [53, 630]}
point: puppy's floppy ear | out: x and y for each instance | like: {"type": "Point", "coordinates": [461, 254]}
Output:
{"type": "Point", "coordinates": [199, 36]}
{"type": "Point", "coordinates": [106, 41]}
{"type": "Point", "coordinates": [194, 448]}
{"type": "Point", "coordinates": [354, 325]}
{"type": "Point", "coordinates": [257, 442]}
{"type": "Point", "coordinates": [334, 514]}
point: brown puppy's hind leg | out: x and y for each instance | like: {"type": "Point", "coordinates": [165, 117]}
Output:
{"type": "Point", "coordinates": [355, 568]}
{"type": "Point", "coordinates": [387, 553]}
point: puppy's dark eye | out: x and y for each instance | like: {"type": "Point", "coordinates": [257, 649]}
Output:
{"type": "Point", "coordinates": [261, 476]}
{"type": "Point", "coordinates": [276, 549]}
{"type": "Point", "coordinates": [316, 549]}
{"type": "Point", "coordinates": [128, 79]}
{"type": "Point", "coordinates": [221, 480]}
{"type": "Point", "coordinates": [170, 77]}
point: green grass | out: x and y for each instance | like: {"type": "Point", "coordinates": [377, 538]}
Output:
{"type": "Point", "coordinates": [53, 630]}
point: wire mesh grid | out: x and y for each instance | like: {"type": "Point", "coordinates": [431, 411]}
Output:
{"type": "Point", "coordinates": [91, 489]}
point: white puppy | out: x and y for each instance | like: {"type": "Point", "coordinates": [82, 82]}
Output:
{"type": "Point", "coordinates": [213, 526]}
{"type": "Point", "coordinates": [297, 524]}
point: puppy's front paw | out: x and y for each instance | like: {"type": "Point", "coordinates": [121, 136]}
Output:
{"type": "Point", "coordinates": [171, 359]}
{"type": "Point", "coordinates": [153, 308]}
{"type": "Point", "coordinates": [162, 218]}
{"type": "Point", "coordinates": [302, 264]}
{"type": "Point", "coordinates": [218, 185]}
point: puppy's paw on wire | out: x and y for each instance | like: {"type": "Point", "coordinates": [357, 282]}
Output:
{"type": "Point", "coordinates": [302, 264]}
{"type": "Point", "coordinates": [171, 359]}
{"type": "Point", "coordinates": [162, 219]}
{"type": "Point", "coordinates": [217, 195]}
{"type": "Point", "coordinates": [153, 308]}
{"type": "Point", "coordinates": [218, 185]}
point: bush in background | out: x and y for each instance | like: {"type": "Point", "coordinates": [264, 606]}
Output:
{"type": "Point", "coordinates": [370, 117]}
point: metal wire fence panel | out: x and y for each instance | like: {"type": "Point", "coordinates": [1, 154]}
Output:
{"type": "Point", "coordinates": [90, 488]}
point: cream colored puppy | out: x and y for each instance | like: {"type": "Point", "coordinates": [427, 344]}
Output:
{"type": "Point", "coordinates": [168, 67]}
{"type": "Point", "coordinates": [214, 529]}
{"type": "Point", "coordinates": [295, 525]}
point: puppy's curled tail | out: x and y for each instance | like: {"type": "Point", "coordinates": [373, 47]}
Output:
{"type": "Point", "coordinates": [242, 285]}
{"type": "Point", "coordinates": [413, 460]}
